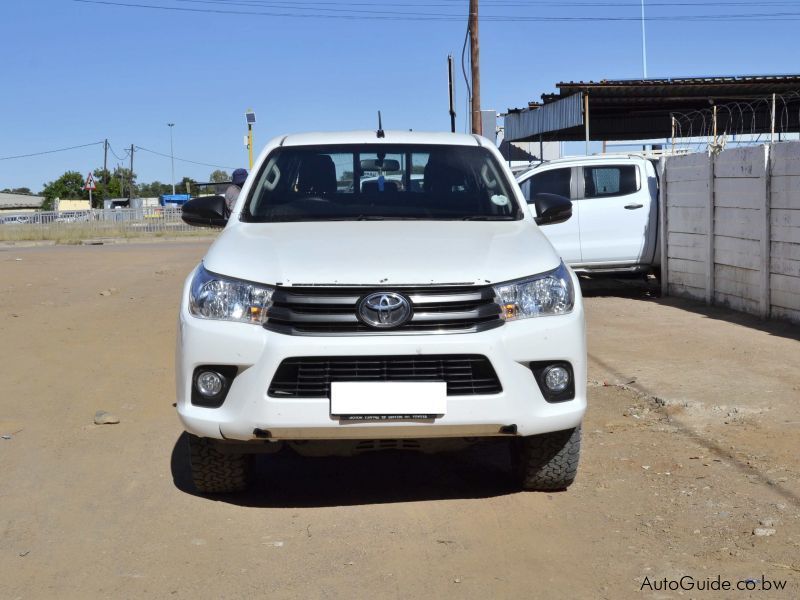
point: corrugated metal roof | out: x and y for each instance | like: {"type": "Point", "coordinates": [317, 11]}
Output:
{"type": "Point", "coordinates": [662, 88]}
{"type": "Point", "coordinates": [530, 122]}
{"type": "Point", "coordinates": [634, 109]}
{"type": "Point", "coordinates": [20, 201]}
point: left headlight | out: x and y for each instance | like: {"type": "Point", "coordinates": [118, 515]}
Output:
{"type": "Point", "coordinates": [221, 298]}
{"type": "Point", "coordinates": [550, 293]}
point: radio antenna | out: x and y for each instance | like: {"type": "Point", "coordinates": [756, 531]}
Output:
{"type": "Point", "coordinates": [380, 132]}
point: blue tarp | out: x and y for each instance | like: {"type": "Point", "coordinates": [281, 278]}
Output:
{"type": "Point", "coordinates": [174, 199]}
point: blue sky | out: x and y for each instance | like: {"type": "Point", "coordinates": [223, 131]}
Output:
{"type": "Point", "coordinates": [76, 73]}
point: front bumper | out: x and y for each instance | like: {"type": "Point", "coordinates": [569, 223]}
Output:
{"type": "Point", "coordinates": [519, 409]}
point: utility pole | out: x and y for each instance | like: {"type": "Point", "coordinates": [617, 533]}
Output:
{"type": "Point", "coordinates": [130, 186]}
{"type": "Point", "coordinates": [475, 63]}
{"type": "Point", "coordinates": [105, 169]}
{"type": "Point", "coordinates": [451, 89]}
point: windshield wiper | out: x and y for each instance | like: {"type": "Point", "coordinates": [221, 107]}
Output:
{"type": "Point", "coordinates": [356, 218]}
{"type": "Point", "coordinates": [488, 218]}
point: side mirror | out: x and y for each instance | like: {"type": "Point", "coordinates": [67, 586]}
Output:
{"type": "Point", "coordinates": [206, 211]}
{"type": "Point", "coordinates": [551, 209]}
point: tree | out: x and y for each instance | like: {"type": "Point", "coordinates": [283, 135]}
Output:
{"type": "Point", "coordinates": [108, 185]}
{"type": "Point", "coordinates": [219, 176]}
{"type": "Point", "coordinates": [187, 185]}
{"type": "Point", "coordinates": [69, 185]}
{"type": "Point", "coordinates": [122, 180]}
{"type": "Point", "coordinates": [154, 189]}
{"type": "Point", "coordinates": [103, 181]}
{"type": "Point", "coordinates": [21, 190]}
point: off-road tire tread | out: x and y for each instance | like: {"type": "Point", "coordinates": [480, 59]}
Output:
{"type": "Point", "coordinates": [216, 473]}
{"type": "Point", "coordinates": [548, 462]}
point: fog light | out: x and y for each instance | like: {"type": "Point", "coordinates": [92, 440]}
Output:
{"type": "Point", "coordinates": [556, 379]}
{"type": "Point", "coordinates": [209, 384]}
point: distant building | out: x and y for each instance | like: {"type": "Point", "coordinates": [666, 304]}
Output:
{"type": "Point", "coordinates": [72, 205]}
{"type": "Point", "coordinates": [19, 203]}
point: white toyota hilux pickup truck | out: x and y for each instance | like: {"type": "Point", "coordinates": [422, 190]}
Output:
{"type": "Point", "coordinates": [420, 309]}
{"type": "Point", "coordinates": [614, 225]}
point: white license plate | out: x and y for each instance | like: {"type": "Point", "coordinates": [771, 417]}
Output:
{"type": "Point", "coordinates": [407, 399]}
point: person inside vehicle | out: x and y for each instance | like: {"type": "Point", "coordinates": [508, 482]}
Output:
{"type": "Point", "coordinates": [232, 192]}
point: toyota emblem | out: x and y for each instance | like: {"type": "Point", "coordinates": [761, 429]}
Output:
{"type": "Point", "coordinates": [384, 310]}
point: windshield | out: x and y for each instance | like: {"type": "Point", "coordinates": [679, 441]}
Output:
{"type": "Point", "coordinates": [381, 182]}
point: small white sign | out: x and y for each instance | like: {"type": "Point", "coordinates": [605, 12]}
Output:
{"type": "Point", "coordinates": [89, 185]}
{"type": "Point", "coordinates": [388, 398]}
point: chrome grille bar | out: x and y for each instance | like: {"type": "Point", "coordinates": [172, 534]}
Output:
{"type": "Point", "coordinates": [329, 311]}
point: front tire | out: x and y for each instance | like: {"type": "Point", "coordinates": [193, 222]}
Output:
{"type": "Point", "coordinates": [547, 462]}
{"type": "Point", "coordinates": [215, 472]}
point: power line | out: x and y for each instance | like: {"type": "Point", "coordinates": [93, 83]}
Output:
{"type": "Point", "coordinates": [396, 16]}
{"type": "Point", "coordinates": [117, 156]}
{"type": "Point", "coordinates": [120, 158]}
{"type": "Point", "coordinates": [456, 4]}
{"type": "Point", "coordinates": [283, 11]}
{"type": "Point", "coordinates": [51, 151]}
{"type": "Point", "coordinates": [186, 160]}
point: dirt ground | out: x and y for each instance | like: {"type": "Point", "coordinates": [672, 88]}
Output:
{"type": "Point", "coordinates": [690, 445]}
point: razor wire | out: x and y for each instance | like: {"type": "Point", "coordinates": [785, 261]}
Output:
{"type": "Point", "coordinates": [739, 122]}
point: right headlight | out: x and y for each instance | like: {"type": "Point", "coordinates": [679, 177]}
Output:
{"type": "Point", "coordinates": [221, 298]}
{"type": "Point", "coordinates": [550, 293]}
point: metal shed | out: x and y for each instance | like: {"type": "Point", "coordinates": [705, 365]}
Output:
{"type": "Point", "coordinates": [636, 109]}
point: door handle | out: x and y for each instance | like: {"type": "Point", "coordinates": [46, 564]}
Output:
{"type": "Point", "coordinates": [633, 206]}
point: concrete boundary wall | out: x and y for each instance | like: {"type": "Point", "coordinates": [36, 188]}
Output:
{"type": "Point", "coordinates": [730, 229]}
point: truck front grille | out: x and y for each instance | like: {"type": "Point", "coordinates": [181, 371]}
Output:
{"type": "Point", "coordinates": [311, 377]}
{"type": "Point", "coordinates": [334, 311]}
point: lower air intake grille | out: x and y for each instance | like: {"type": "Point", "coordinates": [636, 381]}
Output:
{"type": "Point", "coordinates": [465, 375]}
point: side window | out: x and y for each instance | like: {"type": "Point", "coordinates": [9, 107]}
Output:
{"type": "Point", "coordinates": [612, 180]}
{"type": "Point", "coordinates": [418, 163]}
{"type": "Point", "coordinates": [555, 181]}
{"type": "Point", "coordinates": [525, 186]}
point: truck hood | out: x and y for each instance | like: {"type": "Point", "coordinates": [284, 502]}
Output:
{"type": "Point", "coordinates": [386, 253]}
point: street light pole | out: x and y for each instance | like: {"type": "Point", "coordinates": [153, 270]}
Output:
{"type": "Point", "coordinates": [250, 117]}
{"type": "Point", "coordinates": [172, 156]}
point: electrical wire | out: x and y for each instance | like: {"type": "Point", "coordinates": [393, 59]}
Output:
{"type": "Point", "coordinates": [466, 79]}
{"type": "Point", "coordinates": [186, 160]}
{"type": "Point", "coordinates": [283, 12]}
{"type": "Point", "coordinates": [127, 153]}
{"type": "Point", "coordinates": [50, 151]}
{"type": "Point", "coordinates": [340, 6]}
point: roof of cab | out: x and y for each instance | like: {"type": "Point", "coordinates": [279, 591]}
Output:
{"type": "Point", "coordinates": [391, 137]}
{"type": "Point", "coordinates": [621, 157]}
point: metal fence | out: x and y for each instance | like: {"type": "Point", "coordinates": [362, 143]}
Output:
{"type": "Point", "coordinates": [157, 220]}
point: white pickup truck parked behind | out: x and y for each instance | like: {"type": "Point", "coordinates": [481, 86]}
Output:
{"type": "Point", "coordinates": [614, 224]}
